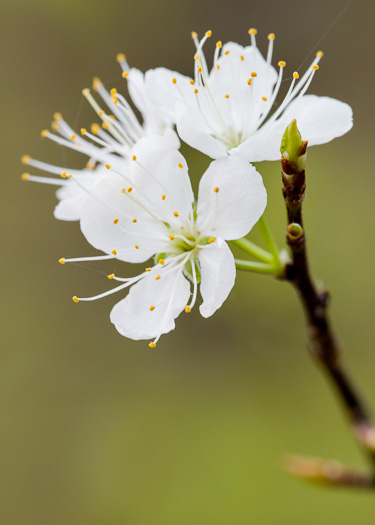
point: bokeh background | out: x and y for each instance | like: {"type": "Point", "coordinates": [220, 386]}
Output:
{"type": "Point", "coordinates": [97, 429]}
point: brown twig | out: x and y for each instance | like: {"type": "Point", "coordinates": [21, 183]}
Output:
{"type": "Point", "coordinates": [323, 344]}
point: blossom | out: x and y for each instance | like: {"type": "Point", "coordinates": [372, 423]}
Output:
{"type": "Point", "coordinates": [229, 109]}
{"type": "Point", "coordinates": [109, 144]}
{"type": "Point", "coordinates": [148, 211]}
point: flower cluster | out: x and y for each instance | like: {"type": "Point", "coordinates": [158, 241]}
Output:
{"type": "Point", "coordinates": [134, 198]}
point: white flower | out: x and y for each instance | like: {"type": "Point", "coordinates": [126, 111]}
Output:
{"type": "Point", "coordinates": [228, 109]}
{"type": "Point", "coordinates": [149, 211]}
{"type": "Point", "coordinates": [107, 145]}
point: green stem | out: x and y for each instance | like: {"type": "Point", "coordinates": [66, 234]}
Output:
{"type": "Point", "coordinates": [254, 250]}
{"type": "Point", "coordinates": [257, 267]}
{"type": "Point", "coordinates": [270, 242]}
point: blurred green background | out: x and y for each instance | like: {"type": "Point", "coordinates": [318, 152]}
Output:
{"type": "Point", "coordinates": [97, 429]}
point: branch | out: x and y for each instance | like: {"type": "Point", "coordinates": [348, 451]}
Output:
{"type": "Point", "coordinates": [323, 344]}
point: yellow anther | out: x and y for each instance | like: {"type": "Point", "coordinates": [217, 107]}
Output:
{"type": "Point", "coordinates": [125, 74]}
{"type": "Point", "coordinates": [196, 91]}
{"type": "Point", "coordinates": [174, 80]}
{"type": "Point", "coordinates": [95, 128]}
{"type": "Point", "coordinates": [271, 36]}
{"type": "Point", "coordinates": [199, 69]}
{"type": "Point", "coordinates": [249, 81]}
{"type": "Point", "coordinates": [96, 83]}
{"type": "Point", "coordinates": [320, 54]}
{"type": "Point", "coordinates": [130, 189]}
{"type": "Point", "coordinates": [180, 165]}
{"type": "Point", "coordinates": [113, 92]}
{"type": "Point", "coordinates": [187, 309]}
{"type": "Point", "coordinates": [120, 57]}
{"type": "Point", "coordinates": [161, 261]}
{"type": "Point", "coordinates": [70, 176]}
{"type": "Point", "coordinates": [112, 117]}
{"type": "Point", "coordinates": [134, 157]}
{"type": "Point", "coordinates": [157, 277]}
{"type": "Point", "coordinates": [163, 197]}
{"type": "Point", "coordinates": [90, 165]}
{"type": "Point", "coordinates": [218, 67]}
{"type": "Point", "coordinates": [114, 252]}
{"type": "Point", "coordinates": [196, 56]}
{"type": "Point", "coordinates": [226, 52]}
{"type": "Point", "coordinates": [194, 34]}
{"type": "Point", "coordinates": [115, 221]}
{"type": "Point", "coordinates": [219, 44]}
{"type": "Point", "coordinates": [148, 269]}
{"type": "Point", "coordinates": [115, 101]}
{"type": "Point", "coordinates": [253, 74]}
{"type": "Point", "coordinates": [55, 125]}
{"type": "Point", "coordinates": [134, 220]}
{"type": "Point", "coordinates": [105, 125]}
{"type": "Point", "coordinates": [136, 246]}
{"type": "Point", "coordinates": [75, 299]}
{"type": "Point", "coordinates": [282, 63]}
{"type": "Point", "coordinates": [151, 345]}
{"type": "Point", "coordinates": [171, 237]}
{"type": "Point", "coordinates": [101, 112]}
{"type": "Point", "coordinates": [192, 82]}
{"type": "Point", "coordinates": [315, 67]}
{"type": "Point", "coordinates": [123, 190]}
{"type": "Point", "coordinates": [265, 99]}
{"type": "Point", "coordinates": [62, 260]}
{"type": "Point", "coordinates": [73, 137]}
{"type": "Point", "coordinates": [216, 190]}
{"type": "Point", "coordinates": [226, 96]}
{"type": "Point", "coordinates": [57, 116]}
{"type": "Point", "coordinates": [85, 92]}
{"type": "Point", "coordinates": [25, 176]}
{"type": "Point", "coordinates": [44, 133]}
{"type": "Point", "coordinates": [83, 131]}
{"type": "Point", "coordinates": [25, 159]}
{"type": "Point", "coordinates": [295, 75]}
{"type": "Point", "coordinates": [211, 240]}
{"type": "Point", "coordinates": [111, 276]}
{"type": "Point", "coordinates": [208, 34]}
{"type": "Point", "coordinates": [242, 58]}
{"type": "Point", "coordinates": [175, 213]}
{"type": "Point", "coordinates": [64, 175]}
{"type": "Point", "coordinates": [152, 307]}
{"type": "Point", "coordinates": [108, 166]}
{"type": "Point", "coordinates": [252, 31]}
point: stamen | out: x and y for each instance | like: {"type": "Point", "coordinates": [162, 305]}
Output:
{"type": "Point", "coordinates": [216, 189]}
{"type": "Point", "coordinates": [211, 240]}
{"type": "Point", "coordinates": [252, 32]}
{"type": "Point", "coordinates": [111, 276]}
{"type": "Point", "coordinates": [152, 308]}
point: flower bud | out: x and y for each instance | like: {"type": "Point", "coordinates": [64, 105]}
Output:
{"type": "Point", "coordinates": [293, 148]}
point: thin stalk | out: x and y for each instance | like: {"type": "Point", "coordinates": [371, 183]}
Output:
{"type": "Point", "coordinates": [270, 241]}
{"type": "Point", "coordinates": [251, 266]}
{"type": "Point", "coordinates": [254, 250]}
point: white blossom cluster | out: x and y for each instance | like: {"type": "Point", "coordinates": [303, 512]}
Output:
{"type": "Point", "coordinates": [134, 198]}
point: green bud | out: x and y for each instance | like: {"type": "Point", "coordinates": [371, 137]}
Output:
{"type": "Point", "coordinates": [293, 148]}
{"type": "Point", "coordinates": [295, 231]}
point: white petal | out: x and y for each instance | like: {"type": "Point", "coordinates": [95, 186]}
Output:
{"type": "Point", "coordinates": [161, 170]}
{"type": "Point", "coordinates": [165, 93]}
{"type": "Point", "coordinates": [238, 204]}
{"type": "Point", "coordinates": [73, 198]}
{"type": "Point", "coordinates": [218, 272]}
{"type": "Point", "coordinates": [319, 119]}
{"type": "Point", "coordinates": [196, 133]}
{"type": "Point", "coordinates": [154, 122]}
{"type": "Point", "coordinates": [109, 204]}
{"type": "Point", "coordinates": [169, 295]}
